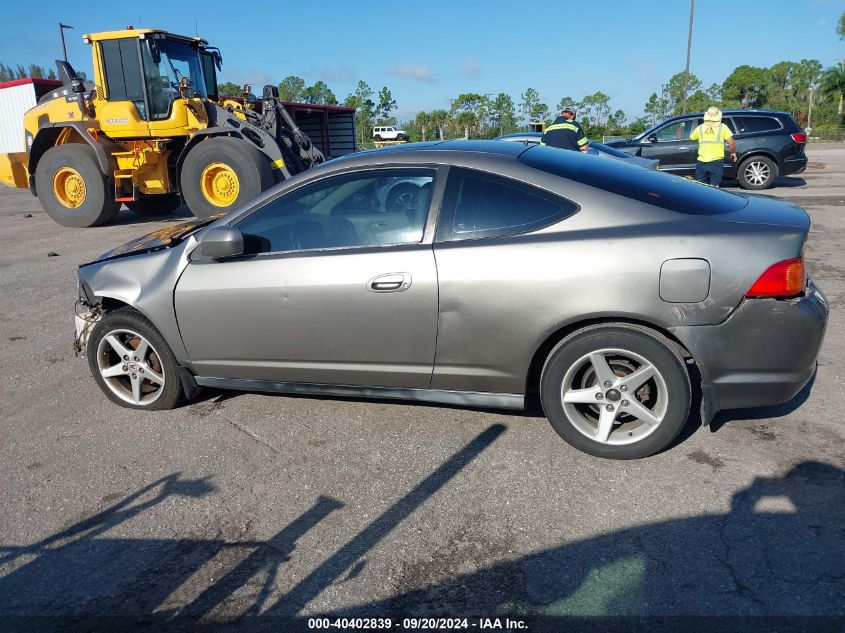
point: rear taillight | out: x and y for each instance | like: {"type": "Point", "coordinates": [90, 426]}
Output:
{"type": "Point", "coordinates": [799, 137]}
{"type": "Point", "coordinates": [784, 279]}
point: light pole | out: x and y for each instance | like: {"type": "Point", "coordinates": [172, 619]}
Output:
{"type": "Point", "coordinates": [62, 28]}
{"type": "Point", "coordinates": [686, 69]}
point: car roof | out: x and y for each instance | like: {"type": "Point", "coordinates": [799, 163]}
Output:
{"type": "Point", "coordinates": [732, 113]}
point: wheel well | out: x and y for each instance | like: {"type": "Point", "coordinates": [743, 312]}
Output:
{"type": "Point", "coordinates": [760, 152]}
{"type": "Point", "coordinates": [110, 305]}
{"type": "Point", "coordinates": [535, 369]}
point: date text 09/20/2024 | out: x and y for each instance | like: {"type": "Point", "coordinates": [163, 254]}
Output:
{"type": "Point", "coordinates": [422, 624]}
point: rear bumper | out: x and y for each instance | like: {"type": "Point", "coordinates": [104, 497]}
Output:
{"type": "Point", "coordinates": [794, 165]}
{"type": "Point", "coordinates": [763, 354]}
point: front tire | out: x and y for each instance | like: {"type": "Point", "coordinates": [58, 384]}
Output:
{"type": "Point", "coordinates": [72, 189]}
{"type": "Point", "coordinates": [222, 172]}
{"type": "Point", "coordinates": [155, 204]}
{"type": "Point", "coordinates": [132, 364]}
{"type": "Point", "coordinates": [757, 172]}
{"type": "Point", "coordinates": [616, 391]}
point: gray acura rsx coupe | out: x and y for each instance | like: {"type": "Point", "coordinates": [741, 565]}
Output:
{"type": "Point", "coordinates": [604, 288]}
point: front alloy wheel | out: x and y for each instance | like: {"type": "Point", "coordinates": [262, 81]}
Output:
{"type": "Point", "coordinates": [132, 363]}
{"type": "Point", "coordinates": [130, 367]}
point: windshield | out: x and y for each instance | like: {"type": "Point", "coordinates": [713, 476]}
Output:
{"type": "Point", "coordinates": [177, 59]}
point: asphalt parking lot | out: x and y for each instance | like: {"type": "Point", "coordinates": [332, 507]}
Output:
{"type": "Point", "coordinates": [253, 508]}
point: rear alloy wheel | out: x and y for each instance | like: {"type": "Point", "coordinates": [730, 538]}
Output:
{"type": "Point", "coordinates": [616, 391]}
{"type": "Point", "coordinates": [757, 172]}
{"type": "Point", "coordinates": [132, 363]}
{"type": "Point", "coordinates": [71, 187]}
{"type": "Point", "coordinates": [155, 204]}
{"type": "Point", "coordinates": [222, 172]}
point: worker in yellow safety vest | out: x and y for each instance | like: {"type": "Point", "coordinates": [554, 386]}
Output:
{"type": "Point", "coordinates": [565, 133]}
{"type": "Point", "coordinates": [712, 136]}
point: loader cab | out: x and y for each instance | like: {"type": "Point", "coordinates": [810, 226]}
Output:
{"type": "Point", "coordinates": [151, 83]}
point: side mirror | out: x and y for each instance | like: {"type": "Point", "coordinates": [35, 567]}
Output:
{"type": "Point", "coordinates": [221, 242]}
{"type": "Point", "coordinates": [77, 86]}
{"type": "Point", "coordinates": [651, 139]}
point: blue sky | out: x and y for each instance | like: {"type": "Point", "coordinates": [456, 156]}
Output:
{"type": "Point", "coordinates": [429, 51]}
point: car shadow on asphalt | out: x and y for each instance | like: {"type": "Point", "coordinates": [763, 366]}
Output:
{"type": "Point", "coordinates": [773, 562]}
{"type": "Point", "coordinates": [782, 181]}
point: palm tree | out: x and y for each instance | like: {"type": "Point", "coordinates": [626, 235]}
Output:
{"type": "Point", "coordinates": [833, 83]}
{"type": "Point", "coordinates": [423, 121]}
{"type": "Point", "coordinates": [440, 119]}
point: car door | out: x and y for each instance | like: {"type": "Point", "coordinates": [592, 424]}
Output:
{"type": "Point", "coordinates": [670, 145]}
{"type": "Point", "coordinates": [332, 288]}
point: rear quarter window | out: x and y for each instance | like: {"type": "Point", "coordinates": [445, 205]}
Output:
{"type": "Point", "coordinates": [644, 185]}
{"type": "Point", "coordinates": [759, 123]}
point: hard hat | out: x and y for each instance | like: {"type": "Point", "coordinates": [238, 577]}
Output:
{"type": "Point", "coordinates": [568, 110]}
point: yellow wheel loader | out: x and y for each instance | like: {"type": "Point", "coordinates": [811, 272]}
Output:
{"type": "Point", "coordinates": [150, 133]}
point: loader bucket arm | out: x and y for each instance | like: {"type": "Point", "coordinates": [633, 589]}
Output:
{"type": "Point", "coordinates": [298, 150]}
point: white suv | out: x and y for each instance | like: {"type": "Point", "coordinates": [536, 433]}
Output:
{"type": "Point", "coordinates": [389, 134]}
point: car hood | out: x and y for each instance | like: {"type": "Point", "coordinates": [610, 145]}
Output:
{"type": "Point", "coordinates": [165, 237]}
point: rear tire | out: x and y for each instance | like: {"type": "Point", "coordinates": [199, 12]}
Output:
{"type": "Point", "coordinates": [377, 137]}
{"type": "Point", "coordinates": [72, 189]}
{"type": "Point", "coordinates": [130, 331]}
{"type": "Point", "coordinates": [757, 172]}
{"type": "Point", "coordinates": [222, 173]}
{"type": "Point", "coordinates": [647, 412]}
{"type": "Point", "coordinates": [155, 204]}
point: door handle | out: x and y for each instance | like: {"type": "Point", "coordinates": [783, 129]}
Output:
{"type": "Point", "coordinates": [390, 282]}
{"type": "Point", "coordinates": [683, 147]}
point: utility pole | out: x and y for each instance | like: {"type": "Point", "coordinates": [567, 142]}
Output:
{"type": "Point", "coordinates": [686, 69]}
{"type": "Point", "coordinates": [62, 28]}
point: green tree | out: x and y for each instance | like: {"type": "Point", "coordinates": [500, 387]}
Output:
{"type": "Point", "coordinates": [423, 121]}
{"type": "Point", "coordinates": [530, 104]}
{"type": "Point", "coordinates": [656, 108]}
{"type": "Point", "coordinates": [833, 84]}
{"type": "Point", "coordinates": [675, 91]}
{"type": "Point", "coordinates": [745, 87]}
{"type": "Point", "coordinates": [291, 88]}
{"type": "Point", "coordinates": [503, 113]}
{"type": "Point", "coordinates": [319, 94]}
{"type": "Point", "coordinates": [7, 73]}
{"type": "Point", "coordinates": [566, 102]}
{"type": "Point", "coordinates": [229, 89]}
{"type": "Point", "coordinates": [638, 125]}
{"type": "Point", "coordinates": [386, 105]}
{"type": "Point", "coordinates": [440, 119]}
{"type": "Point", "coordinates": [362, 101]}
{"type": "Point", "coordinates": [698, 101]}
{"type": "Point", "coordinates": [840, 28]}
{"type": "Point", "coordinates": [466, 120]}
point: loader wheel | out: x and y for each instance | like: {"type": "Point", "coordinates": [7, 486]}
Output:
{"type": "Point", "coordinates": [71, 187]}
{"type": "Point", "coordinates": [221, 173]}
{"type": "Point", "coordinates": [156, 204]}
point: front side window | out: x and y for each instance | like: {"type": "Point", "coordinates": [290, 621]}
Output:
{"type": "Point", "coordinates": [166, 63]}
{"type": "Point", "coordinates": [484, 205]}
{"type": "Point", "coordinates": [373, 208]}
{"type": "Point", "coordinates": [677, 131]}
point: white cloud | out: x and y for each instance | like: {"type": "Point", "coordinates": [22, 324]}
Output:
{"type": "Point", "coordinates": [417, 72]}
{"type": "Point", "coordinates": [471, 67]}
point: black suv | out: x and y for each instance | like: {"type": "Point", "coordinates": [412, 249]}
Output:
{"type": "Point", "coordinates": [768, 144]}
